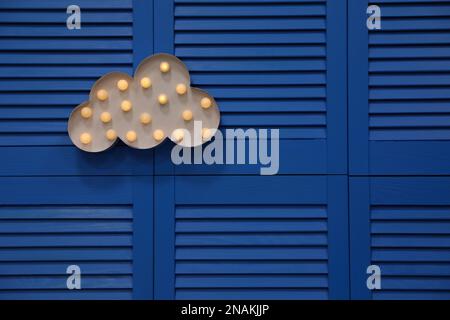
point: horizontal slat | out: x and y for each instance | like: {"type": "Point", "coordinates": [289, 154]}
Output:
{"type": "Point", "coordinates": [60, 17]}
{"type": "Point", "coordinates": [303, 23]}
{"type": "Point", "coordinates": [255, 239]}
{"type": "Point", "coordinates": [59, 282]}
{"type": "Point", "coordinates": [66, 254]}
{"type": "Point", "coordinates": [411, 241]}
{"type": "Point", "coordinates": [91, 294]}
{"type": "Point", "coordinates": [260, 253]}
{"type": "Point", "coordinates": [287, 37]}
{"type": "Point", "coordinates": [257, 78]}
{"type": "Point", "coordinates": [55, 226]}
{"type": "Point", "coordinates": [410, 65]}
{"type": "Point", "coordinates": [412, 37]}
{"type": "Point", "coordinates": [410, 213]}
{"type": "Point", "coordinates": [240, 225]}
{"type": "Point", "coordinates": [410, 255]}
{"type": "Point", "coordinates": [56, 31]}
{"type": "Point", "coordinates": [31, 268]}
{"type": "Point", "coordinates": [272, 10]}
{"type": "Point", "coordinates": [243, 65]}
{"type": "Point", "coordinates": [250, 281]}
{"type": "Point", "coordinates": [52, 58]}
{"type": "Point", "coordinates": [63, 4]}
{"type": "Point", "coordinates": [202, 212]}
{"type": "Point", "coordinates": [67, 44]}
{"type": "Point", "coordinates": [414, 106]}
{"type": "Point", "coordinates": [67, 212]}
{"type": "Point", "coordinates": [416, 227]}
{"type": "Point", "coordinates": [66, 240]}
{"type": "Point", "coordinates": [415, 269]}
{"type": "Point", "coordinates": [252, 294]}
{"type": "Point", "coordinates": [410, 134]}
{"type": "Point", "coordinates": [421, 121]}
{"type": "Point", "coordinates": [411, 295]}
{"type": "Point", "coordinates": [416, 283]}
{"type": "Point", "coordinates": [256, 267]}
{"type": "Point", "coordinates": [413, 80]}
{"type": "Point", "coordinates": [398, 52]}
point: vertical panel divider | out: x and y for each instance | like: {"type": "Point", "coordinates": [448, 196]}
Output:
{"type": "Point", "coordinates": [360, 255]}
{"type": "Point", "coordinates": [164, 275]}
{"type": "Point", "coordinates": [143, 237]}
{"type": "Point", "coordinates": [358, 88]}
{"type": "Point", "coordinates": [338, 237]}
{"type": "Point", "coordinates": [336, 40]}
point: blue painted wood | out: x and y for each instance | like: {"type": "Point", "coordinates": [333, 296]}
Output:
{"type": "Point", "coordinates": [251, 237]}
{"type": "Point", "coordinates": [164, 235]}
{"type": "Point", "coordinates": [269, 65]}
{"type": "Point", "coordinates": [359, 225]}
{"type": "Point", "coordinates": [402, 225]}
{"type": "Point", "coordinates": [399, 89]}
{"type": "Point", "coordinates": [100, 223]}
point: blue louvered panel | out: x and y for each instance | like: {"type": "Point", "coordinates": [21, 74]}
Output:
{"type": "Point", "coordinates": [250, 237]}
{"type": "Point", "coordinates": [401, 224]}
{"type": "Point", "coordinates": [101, 224]}
{"type": "Point", "coordinates": [47, 69]}
{"type": "Point", "coordinates": [265, 62]}
{"type": "Point", "coordinates": [409, 71]}
{"type": "Point", "coordinates": [412, 246]}
{"type": "Point", "coordinates": [269, 65]}
{"type": "Point", "coordinates": [251, 252]}
{"type": "Point", "coordinates": [38, 243]}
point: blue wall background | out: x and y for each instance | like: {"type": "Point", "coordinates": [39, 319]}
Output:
{"type": "Point", "coordinates": [364, 153]}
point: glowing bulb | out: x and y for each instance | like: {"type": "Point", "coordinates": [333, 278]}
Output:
{"type": "Point", "coordinates": [162, 99]}
{"type": "Point", "coordinates": [181, 89]}
{"type": "Point", "coordinates": [111, 135]}
{"type": "Point", "coordinates": [146, 83]}
{"type": "Point", "coordinates": [145, 118]}
{"type": "Point", "coordinates": [122, 85]}
{"type": "Point", "coordinates": [164, 67]}
{"type": "Point", "coordinates": [102, 94]}
{"type": "Point", "coordinates": [206, 134]}
{"type": "Point", "coordinates": [85, 138]}
{"type": "Point", "coordinates": [105, 117]}
{"type": "Point", "coordinates": [86, 112]}
{"type": "Point", "coordinates": [187, 115]}
{"type": "Point", "coordinates": [131, 136]}
{"type": "Point", "coordinates": [205, 103]}
{"type": "Point", "coordinates": [178, 135]}
{"type": "Point", "coordinates": [158, 135]}
{"type": "Point", "coordinates": [125, 105]}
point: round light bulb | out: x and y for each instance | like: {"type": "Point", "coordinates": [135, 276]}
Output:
{"type": "Point", "coordinates": [146, 83]}
{"type": "Point", "coordinates": [205, 103]}
{"type": "Point", "coordinates": [145, 118]}
{"type": "Point", "coordinates": [178, 135]}
{"type": "Point", "coordinates": [158, 135]}
{"type": "Point", "coordinates": [162, 99]}
{"type": "Point", "coordinates": [131, 136]}
{"type": "Point", "coordinates": [122, 85]}
{"type": "Point", "coordinates": [85, 138]}
{"type": "Point", "coordinates": [105, 117]}
{"type": "Point", "coordinates": [111, 135]}
{"type": "Point", "coordinates": [86, 112]}
{"type": "Point", "coordinates": [187, 115]}
{"type": "Point", "coordinates": [164, 67]}
{"type": "Point", "coordinates": [125, 105]}
{"type": "Point", "coordinates": [181, 89]}
{"type": "Point", "coordinates": [206, 134]}
{"type": "Point", "coordinates": [102, 94]}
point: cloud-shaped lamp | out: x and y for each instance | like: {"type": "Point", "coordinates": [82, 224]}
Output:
{"type": "Point", "coordinates": [143, 111]}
